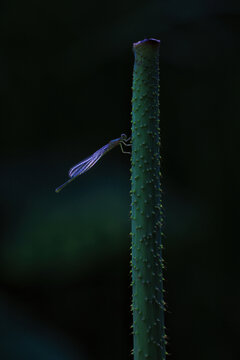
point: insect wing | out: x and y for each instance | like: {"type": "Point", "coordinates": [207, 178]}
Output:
{"type": "Point", "coordinates": [88, 163]}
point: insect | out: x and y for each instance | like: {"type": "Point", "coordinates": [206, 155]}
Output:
{"type": "Point", "coordinates": [90, 161]}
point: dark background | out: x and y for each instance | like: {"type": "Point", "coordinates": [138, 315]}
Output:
{"type": "Point", "coordinates": [65, 83]}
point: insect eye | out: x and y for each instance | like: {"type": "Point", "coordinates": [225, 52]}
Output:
{"type": "Point", "coordinates": [123, 137]}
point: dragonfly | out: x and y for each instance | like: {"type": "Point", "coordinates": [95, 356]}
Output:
{"type": "Point", "coordinates": [90, 161]}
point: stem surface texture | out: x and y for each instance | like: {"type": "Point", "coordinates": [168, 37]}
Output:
{"type": "Point", "coordinates": [147, 263]}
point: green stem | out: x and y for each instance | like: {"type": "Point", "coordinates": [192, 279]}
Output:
{"type": "Point", "coordinates": [147, 262]}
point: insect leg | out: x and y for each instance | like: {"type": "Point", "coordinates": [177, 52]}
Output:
{"type": "Point", "coordinates": [124, 152]}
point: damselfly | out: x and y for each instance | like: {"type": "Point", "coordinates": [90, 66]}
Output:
{"type": "Point", "coordinates": [89, 162]}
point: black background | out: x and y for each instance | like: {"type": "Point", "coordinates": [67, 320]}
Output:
{"type": "Point", "coordinates": [65, 83]}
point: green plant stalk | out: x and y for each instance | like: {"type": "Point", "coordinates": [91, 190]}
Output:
{"type": "Point", "coordinates": [147, 262]}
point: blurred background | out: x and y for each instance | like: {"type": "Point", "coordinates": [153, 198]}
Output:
{"type": "Point", "coordinates": [66, 75]}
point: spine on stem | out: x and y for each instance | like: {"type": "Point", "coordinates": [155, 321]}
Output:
{"type": "Point", "coordinates": [147, 263]}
